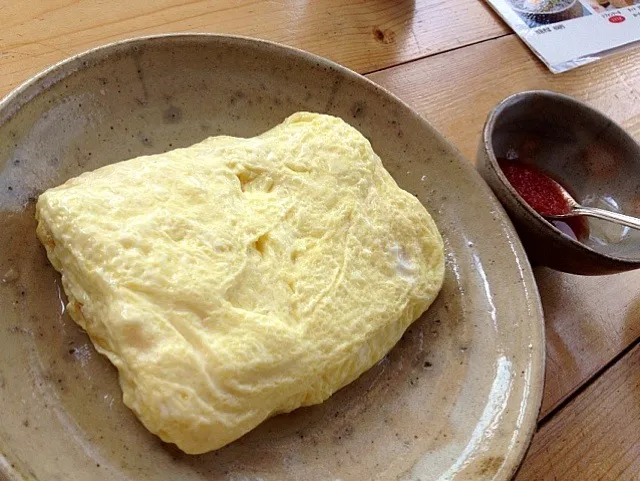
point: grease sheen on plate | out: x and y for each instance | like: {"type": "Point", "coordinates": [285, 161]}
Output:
{"type": "Point", "coordinates": [457, 398]}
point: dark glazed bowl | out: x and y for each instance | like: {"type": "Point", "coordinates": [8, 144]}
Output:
{"type": "Point", "coordinates": [584, 150]}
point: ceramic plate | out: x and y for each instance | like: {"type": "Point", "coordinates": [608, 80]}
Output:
{"type": "Point", "coordinates": [456, 399]}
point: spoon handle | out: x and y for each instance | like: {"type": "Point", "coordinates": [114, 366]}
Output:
{"type": "Point", "coordinates": [627, 220]}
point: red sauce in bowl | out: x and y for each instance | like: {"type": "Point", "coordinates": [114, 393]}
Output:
{"type": "Point", "coordinates": [538, 190]}
{"type": "Point", "coordinates": [544, 195]}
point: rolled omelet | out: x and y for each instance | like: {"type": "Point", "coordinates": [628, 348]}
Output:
{"type": "Point", "coordinates": [241, 278]}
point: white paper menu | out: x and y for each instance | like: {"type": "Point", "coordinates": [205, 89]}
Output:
{"type": "Point", "coordinates": [566, 34]}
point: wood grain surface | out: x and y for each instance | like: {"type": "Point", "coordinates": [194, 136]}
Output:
{"type": "Point", "coordinates": [456, 90]}
{"type": "Point", "coordinates": [589, 320]}
{"type": "Point", "coordinates": [363, 35]}
{"type": "Point", "coordinates": [597, 436]}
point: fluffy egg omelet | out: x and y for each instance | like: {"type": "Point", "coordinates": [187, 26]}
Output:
{"type": "Point", "coordinates": [240, 278]}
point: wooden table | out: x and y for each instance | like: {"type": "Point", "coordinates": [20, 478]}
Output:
{"type": "Point", "coordinates": [452, 61]}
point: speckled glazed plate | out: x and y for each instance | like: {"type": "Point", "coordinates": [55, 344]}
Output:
{"type": "Point", "coordinates": [456, 399]}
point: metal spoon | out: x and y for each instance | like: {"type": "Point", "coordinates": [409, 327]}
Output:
{"type": "Point", "coordinates": [577, 209]}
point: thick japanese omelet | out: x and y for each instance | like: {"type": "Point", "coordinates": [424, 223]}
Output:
{"type": "Point", "coordinates": [241, 278]}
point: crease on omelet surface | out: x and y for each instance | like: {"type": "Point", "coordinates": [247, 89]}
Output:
{"type": "Point", "coordinates": [241, 278]}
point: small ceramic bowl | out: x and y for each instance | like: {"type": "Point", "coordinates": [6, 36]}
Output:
{"type": "Point", "coordinates": [592, 156]}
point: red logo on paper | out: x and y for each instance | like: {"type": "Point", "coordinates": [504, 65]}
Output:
{"type": "Point", "coordinates": [617, 19]}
